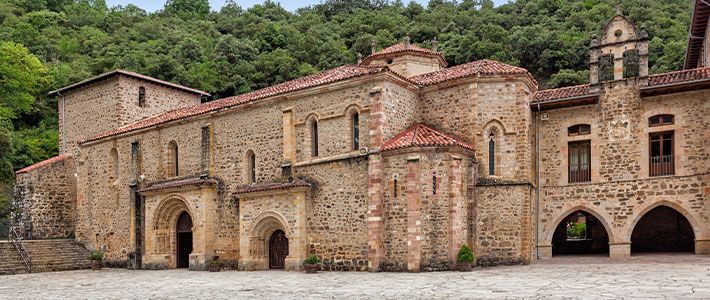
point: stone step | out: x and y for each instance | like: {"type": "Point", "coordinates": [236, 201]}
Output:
{"type": "Point", "coordinates": [47, 256]}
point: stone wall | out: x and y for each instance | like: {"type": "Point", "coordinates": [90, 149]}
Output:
{"type": "Point", "coordinates": [105, 203]}
{"type": "Point", "coordinates": [110, 103]}
{"type": "Point", "coordinates": [504, 214]}
{"type": "Point", "coordinates": [621, 189]}
{"type": "Point", "coordinates": [46, 201]}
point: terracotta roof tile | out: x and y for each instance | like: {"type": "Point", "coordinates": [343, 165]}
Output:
{"type": "Point", "coordinates": [421, 135]}
{"type": "Point", "coordinates": [128, 73]}
{"type": "Point", "coordinates": [562, 93]}
{"type": "Point", "coordinates": [676, 77]}
{"type": "Point", "coordinates": [178, 183]}
{"type": "Point", "coordinates": [44, 163]}
{"type": "Point", "coordinates": [270, 186]}
{"type": "Point", "coordinates": [679, 76]}
{"type": "Point", "coordinates": [325, 77]}
{"type": "Point", "coordinates": [401, 48]}
{"type": "Point", "coordinates": [479, 67]}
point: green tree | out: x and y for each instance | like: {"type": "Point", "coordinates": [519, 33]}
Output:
{"type": "Point", "coordinates": [188, 8]}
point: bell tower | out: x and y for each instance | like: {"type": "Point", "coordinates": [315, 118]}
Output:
{"type": "Point", "coordinates": [620, 53]}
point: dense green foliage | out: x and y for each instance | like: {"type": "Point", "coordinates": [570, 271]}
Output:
{"type": "Point", "coordinates": [465, 254]}
{"type": "Point", "coordinates": [237, 49]}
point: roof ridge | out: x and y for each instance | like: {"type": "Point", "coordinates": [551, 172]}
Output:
{"type": "Point", "coordinates": [127, 73]}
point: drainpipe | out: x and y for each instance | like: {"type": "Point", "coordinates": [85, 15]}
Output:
{"type": "Point", "coordinates": [537, 193]}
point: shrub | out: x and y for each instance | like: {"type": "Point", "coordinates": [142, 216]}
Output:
{"type": "Point", "coordinates": [311, 260]}
{"type": "Point", "coordinates": [215, 260]}
{"type": "Point", "coordinates": [465, 254]}
{"type": "Point", "coordinates": [96, 255]}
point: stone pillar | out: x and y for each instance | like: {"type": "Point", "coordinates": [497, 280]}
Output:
{"type": "Point", "coordinates": [414, 237]}
{"type": "Point", "coordinates": [289, 137]}
{"type": "Point", "coordinates": [545, 251]}
{"type": "Point", "coordinates": [456, 208]}
{"type": "Point", "coordinates": [619, 249]}
{"type": "Point", "coordinates": [297, 241]}
{"type": "Point", "coordinates": [375, 207]}
{"type": "Point", "coordinates": [203, 238]}
{"type": "Point", "coordinates": [702, 246]}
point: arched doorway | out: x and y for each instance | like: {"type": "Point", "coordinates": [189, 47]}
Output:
{"type": "Point", "coordinates": [183, 231]}
{"type": "Point", "coordinates": [278, 249]}
{"type": "Point", "coordinates": [580, 233]}
{"type": "Point", "coordinates": [662, 229]}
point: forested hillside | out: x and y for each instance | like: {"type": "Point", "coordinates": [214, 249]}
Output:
{"type": "Point", "coordinates": [46, 44]}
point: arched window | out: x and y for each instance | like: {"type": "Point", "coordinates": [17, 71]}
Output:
{"type": "Point", "coordinates": [113, 164]}
{"type": "Point", "coordinates": [314, 138]}
{"type": "Point", "coordinates": [660, 120]}
{"type": "Point", "coordinates": [491, 154]}
{"type": "Point", "coordinates": [251, 166]}
{"type": "Point", "coordinates": [141, 97]}
{"type": "Point", "coordinates": [580, 129]}
{"type": "Point", "coordinates": [355, 124]}
{"type": "Point", "coordinates": [173, 159]}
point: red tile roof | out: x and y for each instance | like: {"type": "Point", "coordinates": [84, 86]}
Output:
{"type": "Point", "coordinates": [175, 183]}
{"type": "Point", "coordinates": [679, 76]}
{"type": "Point", "coordinates": [44, 163]}
{"type": "Point", "coordinates": [657, 80]}
{"type": "Point", "coordinates": [476, 68]}
{"type": "Point", "coordinates": [696, 33]}
{"type": "Point", "coordinates": [270, 186]}
{"type": "Point", "coordinates": [401, 48]}
{"type": "Point", "coordinates": [563, 93]}
{"type": "Point", "coordinates": [421, 135]}
{"type": "Point", "coordinates": [325, 77]}
{"type": "Point", "coordinates": [131, 74]}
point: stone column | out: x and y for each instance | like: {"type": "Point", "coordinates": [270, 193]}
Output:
{"type": "Point", "coordinates": [702, 246]}
{"type": "Point", "coordinates": [456, 208]}
{"type": "Point", "coordinates": [545, 250]}
{"type": "Point", "coordinates": [203, 238]}
{"type": "Point", "coordinates": [375, 207]}
{"type": "Point", "coordinates": [619, 249]}
{"type": "Point", "coordinates": [414, 237]}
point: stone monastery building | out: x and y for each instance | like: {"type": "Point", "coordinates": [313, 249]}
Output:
{"type": "Point", "coordinates": [388, 165]}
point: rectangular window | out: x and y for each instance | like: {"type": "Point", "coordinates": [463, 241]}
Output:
{"type": "Point", "coordinates": [579, 161]}
{"type": "Point", "coordinates": [205, 149]}
{"type": "Point", "coordinates": [661, 160]}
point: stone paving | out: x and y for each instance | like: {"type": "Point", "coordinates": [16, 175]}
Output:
{"type": "Point", "coordinates": [563, 279]}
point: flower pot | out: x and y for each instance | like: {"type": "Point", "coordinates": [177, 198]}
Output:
{"type": "Point", "coordinates": [215, 267]}
{"type": "Point", "coordinates": [311, 268]}
{"type": "Point", "coordinates": [463, 266]}
{"type": "Point", "coordinates": [96, 265]}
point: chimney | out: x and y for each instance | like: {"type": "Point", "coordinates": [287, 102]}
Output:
{"type": "Point", "coordinates": [407, 42]}
{"type": "Point", "coordinates": [373, 46]}
{"type": "Point", "coordinates": [359, 58]}
{"type": "Point", "coordinates": [434, 45]}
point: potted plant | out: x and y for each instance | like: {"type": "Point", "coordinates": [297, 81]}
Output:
{"type": "Point", "coordinates": [465, 259]}
{"type": "Point", "coordinates": [215, 264]}
{"type": "Point", "coordinates": [96, 257]}
{"type": "Point", "coordinates": [311, 264]}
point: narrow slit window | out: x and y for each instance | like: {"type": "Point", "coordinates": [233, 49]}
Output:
{"type": "Point", "coordinates": [141, 97]}
{"type": "Point", "coordinates": [491, 154]}
{"type": "Point", "coordinates": [433, 184]}
{"type": "Point", "coordinates": [251, 167]}
{"type": "Point", "coordinates": [314, 138]}
{"type": "Point", "coordinates": [395, 186]}
{"type": "Point", "coordinates": [356, 131]}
